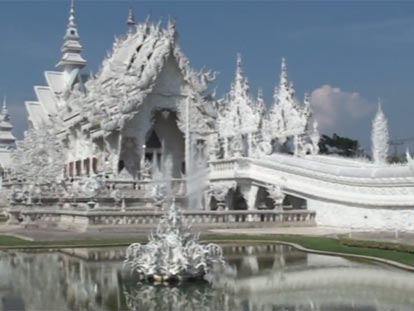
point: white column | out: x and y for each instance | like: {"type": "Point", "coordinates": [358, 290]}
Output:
{"type": "Point", "coordinates": [91, 172]}
{"type": "Point", "coordinates": [249, 193]}
{"type": "Point", "coordinates": [249, 145]}
{"type": "Point", "coordinates": [226, 147]}
{"type": "Point", "coordinates": [73, 168]}
{"type": "Point", "coordinates": [187, 137]}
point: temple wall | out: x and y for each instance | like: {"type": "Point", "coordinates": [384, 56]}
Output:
{"type": "Point", "coordinates": [362, 218]}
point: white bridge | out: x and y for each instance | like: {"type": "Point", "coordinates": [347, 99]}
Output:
{"type": "Point", "coordinates": [342, 192]}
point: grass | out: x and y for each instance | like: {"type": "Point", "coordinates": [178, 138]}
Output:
{"type": "Point", "coordinates": [313, 243]}
{"type": "Point", "coordinates": [10, 242]}
{"type": "Point", "coordinates": [325, 244]}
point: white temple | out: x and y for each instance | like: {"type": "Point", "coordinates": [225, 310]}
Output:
{"type": "Point", "coordinates": [147, 104]}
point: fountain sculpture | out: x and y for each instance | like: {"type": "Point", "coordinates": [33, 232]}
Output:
{"type": "Point", "coordinates": [174, 252]}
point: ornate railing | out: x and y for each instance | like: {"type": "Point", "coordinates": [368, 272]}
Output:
{"type": "Point", "coordinates": [148, 219]}
{"type": "Point", "coordinates": [370, 186]}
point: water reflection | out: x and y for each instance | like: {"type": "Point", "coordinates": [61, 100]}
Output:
{"type": "Point", "coordinates": [266, 277]}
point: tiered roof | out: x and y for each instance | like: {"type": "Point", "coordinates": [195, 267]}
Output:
{"type": "Point", "coordinates": [128, 74]}
{"type": "Point", "coordinates": [6, 137]}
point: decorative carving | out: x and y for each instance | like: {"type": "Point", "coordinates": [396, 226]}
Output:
{"type": "Point", "coordinates": [276, 194]}
{"type": "Point", "coordinates": [380, 137]}
{"type": "Point", "coordinates": [219, 191]}
{"type": "Point", "coordinates": [174, 253]}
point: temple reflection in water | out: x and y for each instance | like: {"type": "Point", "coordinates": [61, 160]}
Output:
{"type": "Point", "coordinates": [269, 277]}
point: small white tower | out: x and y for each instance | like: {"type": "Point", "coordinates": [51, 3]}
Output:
{"type": "Point", "coordinates": [131, 23]}
{"type": "Point", "coordinates": [380, 137]}
{"type": "Point", "coordinates": [71, 59]}
{"type": "Point", "coordinates": [7, 139]}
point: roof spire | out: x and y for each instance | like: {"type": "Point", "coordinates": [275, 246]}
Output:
{"type": "Point", "coordinates": [131, 21]}
{"type": "Point", "coordinates": [260, 94]}
{"type": "Point", "coordinates": [71, 48]}
{"type": "Point", "coordinates": [239, 70]}
{"type": "Point", "coordinates": [283, 72]}
{"type": "Point", "coordinates": [379, 104]}
{"type": "Point", "coordinates": [4, 110]}
{"type": "Point", "coordinates": [240, 82]}
{"type": "Point", "coordinates": [72, 15]}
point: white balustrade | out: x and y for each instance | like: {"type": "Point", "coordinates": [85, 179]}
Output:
{"type": "Point", "coordinates": [83, 219]}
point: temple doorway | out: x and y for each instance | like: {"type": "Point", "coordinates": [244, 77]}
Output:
{"type": "Point", "coordinates": [164, 139]}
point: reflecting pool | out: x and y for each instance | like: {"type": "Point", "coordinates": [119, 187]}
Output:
{"type": "Point", "coordinates": [262, 277]}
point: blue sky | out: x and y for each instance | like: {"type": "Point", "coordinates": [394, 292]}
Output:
{"type": "Point", "coordinates": [346, 54]}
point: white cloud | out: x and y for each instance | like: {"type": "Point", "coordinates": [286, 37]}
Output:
{"type": "Point", "coordinates": [337, 110]}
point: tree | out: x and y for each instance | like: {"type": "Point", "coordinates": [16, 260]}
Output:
{"type": "Point", "coordinates": [379, 137]}
{"type": "Point", "coordinates": [339, 145]}
{"type": "Point", "coordinates": [39, 158]}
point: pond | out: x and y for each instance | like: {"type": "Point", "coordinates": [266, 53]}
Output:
{"type": "Point", "coordinates": [265, 277]}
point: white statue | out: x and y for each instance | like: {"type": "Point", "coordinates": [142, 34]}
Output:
{"type": "Point", "coordinates": [173, 253]}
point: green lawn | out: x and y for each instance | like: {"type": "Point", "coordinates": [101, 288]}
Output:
{"type": "Point", "coordinates": [8, 242]}
{"type": "Point", "coordinates": [325, 244]}
{"type": "Point", "coordinates": [314, 243]}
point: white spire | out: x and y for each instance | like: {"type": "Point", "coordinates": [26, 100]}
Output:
{"type": "Point", "coordinates": [72, 23]}
{"type": "Point", "coordinates": [240, 87]}
{"type": "Point", "coordinates": [132, 25]}
{"type": "Point", "coordinates": [5, 111]}
{"type": "Point", "coordinates": [71, 48]}
{"type": "Point", "coordinates": [379, 137]}
{"type": "Point", "coordinates": [283, 72]}
{"type": "Point", "coordinates": [260, 101]}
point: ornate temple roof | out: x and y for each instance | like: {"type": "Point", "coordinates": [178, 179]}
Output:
{"type": "Point", "coordinates": [71, 48]}
{"type": "Point", "coordinates": [239, 113]}
{"type": "Point", "coordinates": [127, 75]}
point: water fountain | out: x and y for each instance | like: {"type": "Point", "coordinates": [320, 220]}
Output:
{"type": "Point", "coordinates": [174, 253]}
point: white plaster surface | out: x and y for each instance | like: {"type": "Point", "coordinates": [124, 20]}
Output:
{"type": "Point", "coordinates": [362, 218]}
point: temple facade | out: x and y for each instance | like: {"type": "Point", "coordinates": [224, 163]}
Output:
{"type": "Point", "coordinates": [147, 126]}
{"type": "Point", "coordinates": [147, 101]}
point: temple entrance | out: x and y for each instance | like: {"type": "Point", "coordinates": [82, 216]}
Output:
{"type": "Point", "coordinates": [153, 140]}
{"type": "Point", "coordinates": [164, 140]}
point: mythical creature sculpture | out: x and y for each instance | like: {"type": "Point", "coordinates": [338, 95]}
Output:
{"type": "Point", "coordinates": [174, 253]}
{"type": "Point", "coordinates": [219, 191]}
{"type": "Point", "coordinates": [276, 194]}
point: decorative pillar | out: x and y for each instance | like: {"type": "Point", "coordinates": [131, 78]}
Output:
{"type": "Point", "coordinates": [237, 146]}
{"type": "Point", "coordinates": [187, 137]}
{"type": "Point", "coordinates": [91, 171]}
{"type": "Point", "coordinates": [142, 162]}
{"type": "Point", "coordinates": [226, 147]}
{"type": "Point", "coordinates": [249, 193]}
{"type": "Point", "coordinates": [249, 145]}
{"type": "Point", "coordinates": [82, 167]}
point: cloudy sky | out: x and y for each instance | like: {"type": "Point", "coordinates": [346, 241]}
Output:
{"type": "Point", "coordinates": [345, 54]}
